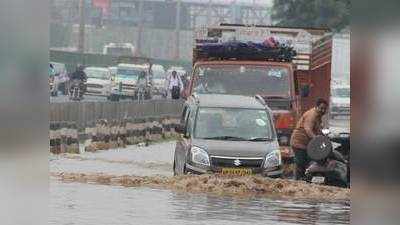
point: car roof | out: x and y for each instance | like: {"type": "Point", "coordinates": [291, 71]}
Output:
{"type": "Point", "coordinates": [227, 101]}
{"type": "Point", "coordinates": [135, 66]}
{"type": "Point", "coordinates": [97, 68]}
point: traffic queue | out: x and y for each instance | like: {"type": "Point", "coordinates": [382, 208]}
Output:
{"type": "Point", "coordinates": [133, 81]}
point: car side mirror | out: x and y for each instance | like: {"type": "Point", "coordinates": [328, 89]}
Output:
{"type": "Point", "coordinates": [305, 91]}
{"type": "Point", "coordinates": [180, 129]}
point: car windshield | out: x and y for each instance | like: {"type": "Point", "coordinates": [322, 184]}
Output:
{"type": "Point", "coordinates": [129, 72]}
{"type": "Point", "coordinates": [233, 124]}
{"type": "Point", "coordinates": [247, 80]}
{"type": "Point", "coordinates": [98, 74]}
{"type": "Point", "coordinates": [341, 92]}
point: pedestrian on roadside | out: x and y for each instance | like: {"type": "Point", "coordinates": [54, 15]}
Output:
{"type": "Point", "coordinates": [175, 85]}
{"type": "Point", "coordinates": [308, 127]}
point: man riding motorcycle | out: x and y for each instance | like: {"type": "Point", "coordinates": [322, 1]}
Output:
{"type": "Point", "coordinates": [79, 76]}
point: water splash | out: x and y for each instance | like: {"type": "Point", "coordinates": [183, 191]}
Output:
{"type": "Point", "coordinates": [217, 184]}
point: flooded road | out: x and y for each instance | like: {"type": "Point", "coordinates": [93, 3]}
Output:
{"type": "Point", "coordinates": [135, 186]}
{"type": "Point", "coordinates": [75, 203]}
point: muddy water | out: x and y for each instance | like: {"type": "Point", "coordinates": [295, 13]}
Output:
{"type": "Point", "coordinates": [76, 203]}
{"type": "Point", "coordinates": [135, 186]}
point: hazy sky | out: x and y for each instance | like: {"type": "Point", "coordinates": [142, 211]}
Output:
{"type": "Point", "coordinates": [264, 2]}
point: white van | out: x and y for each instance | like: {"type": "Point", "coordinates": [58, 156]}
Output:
{"type": "Point", "coordinates": [119, 49]}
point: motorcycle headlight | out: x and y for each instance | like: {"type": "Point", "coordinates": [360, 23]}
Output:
{"type": "Point", "coordinates": [273, 159]}
{"type": "Point", "coordinates": [284, 140]}
{"type": "Point", "coordinates": [199, 156]}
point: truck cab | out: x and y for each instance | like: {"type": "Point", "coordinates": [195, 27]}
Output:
{"type": "Point", "coordinates": [289, 85]}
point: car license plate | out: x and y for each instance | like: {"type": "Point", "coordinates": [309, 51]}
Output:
{"type": "Point", "coordinates": [318, 180]}
{"type": "Point", "coordinates": [236, 171]}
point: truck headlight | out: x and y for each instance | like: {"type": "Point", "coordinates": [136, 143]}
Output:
{"type": "Point", "coordinates": [199, 156]}
{"type": "Point", "coordinates": [273, 159]}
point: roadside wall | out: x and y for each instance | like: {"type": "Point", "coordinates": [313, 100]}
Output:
{"type": "Point", "coordinates": [106, 125]}
{"type": "Point", "coordinates": [86, 113]}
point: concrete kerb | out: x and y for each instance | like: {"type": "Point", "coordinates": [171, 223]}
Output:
{"type": "Point", "coordinates": [103, 134]}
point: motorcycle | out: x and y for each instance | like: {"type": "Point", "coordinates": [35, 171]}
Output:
{"type": "Point", "coordinates": [76, 90]}
{"type": "Point", "coordinates": [329, 165]}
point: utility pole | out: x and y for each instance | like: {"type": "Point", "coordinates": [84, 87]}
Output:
{"type": "Point", "coordinates": [81, 37]}
{"type": "Point", "coordinates": [177, 29]}
{"type": "Point", "coordinates": [140, 30]}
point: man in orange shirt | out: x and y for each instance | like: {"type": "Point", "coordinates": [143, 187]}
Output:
{"type": "Point", "coordinates": [308, 127]}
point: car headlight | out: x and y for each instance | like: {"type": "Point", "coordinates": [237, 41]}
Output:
{"type": "Point", "coordinates": [273, 159]}
{"type": "Point", "coordinates": [199, 156]}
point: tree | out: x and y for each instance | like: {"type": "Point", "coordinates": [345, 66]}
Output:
{"type": "Point", "coordinates": [333, 14]}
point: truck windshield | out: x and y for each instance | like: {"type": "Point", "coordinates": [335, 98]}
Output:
{"type": "Point", "coordinates": [242, 80]}
{"type": "Point", "coordinates": [233, 124]}
{"type": "Point", "coordinates": [119, 51]}
{"type": "Point", "coordinates": [129, 73]}
{"type": "Point", "coordinates": [97, 74]}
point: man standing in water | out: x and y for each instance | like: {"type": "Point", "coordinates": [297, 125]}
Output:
{"type": "Point", "coordinates": [308, 127]}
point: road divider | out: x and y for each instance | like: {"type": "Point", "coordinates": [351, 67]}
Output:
{"type": "Point", "coordinates": [104, 135]}
{"type": "Point", "coordinates": [107, 125]}
{"type": "Point", "coordinates": [64, 138]}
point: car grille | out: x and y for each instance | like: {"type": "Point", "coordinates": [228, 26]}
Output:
{"type": "Point", "coordinates": [220, 161]}
{"type": "Point", "coordinates": [128, 87]}
{"type": "Point", "coordinates": [94, 86]}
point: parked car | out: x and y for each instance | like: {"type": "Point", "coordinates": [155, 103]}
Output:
{"type": "Point", "coordinates": [340, 101]}
{"type": "Point", "coordinates": [99, 81]}
{"type": "Point", "coordinates": [227, 134]}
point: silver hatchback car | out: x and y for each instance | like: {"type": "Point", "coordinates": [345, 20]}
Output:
{"type": "Point", "coordinates": [227, 134]}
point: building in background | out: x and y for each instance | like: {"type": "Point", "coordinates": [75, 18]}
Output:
{"type": "Point", "coordinates": [152, 26]}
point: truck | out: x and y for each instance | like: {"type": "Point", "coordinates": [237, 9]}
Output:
{"type": "Point", "coordinates": [289, 85]}
{"type": "Point", "coordinates": [119, 49]}
{"type": "Point", "coordinates": [133, 79]}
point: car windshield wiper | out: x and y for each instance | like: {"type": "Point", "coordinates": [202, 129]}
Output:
{"type": "Point", "coordinates": [260, 139]}
{"type": "Point", "coordinates": [231, 138]}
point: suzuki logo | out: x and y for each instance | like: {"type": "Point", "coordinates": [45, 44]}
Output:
{"type": "Point", "coordinates": [237, 162]}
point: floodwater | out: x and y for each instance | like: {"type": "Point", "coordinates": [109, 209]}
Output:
{"type": "Point", "coordinates": [136, 186]}
{"type": "Point", "coordinates": [76, 203]}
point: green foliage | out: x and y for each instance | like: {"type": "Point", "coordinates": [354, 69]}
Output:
{"type": "Point", "coordinates": [334, 14]}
